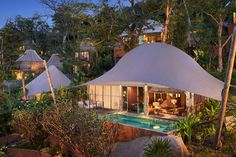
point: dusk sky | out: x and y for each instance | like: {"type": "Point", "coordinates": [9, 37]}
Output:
{"type": "Point", "coordinates": [25, 8]}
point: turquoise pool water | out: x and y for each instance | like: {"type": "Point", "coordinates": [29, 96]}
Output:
{"type": "Point", "coordinates": [143, 123]}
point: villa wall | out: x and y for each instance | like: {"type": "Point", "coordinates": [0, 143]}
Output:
{"type": "Point", "coordinates": [129, 133]}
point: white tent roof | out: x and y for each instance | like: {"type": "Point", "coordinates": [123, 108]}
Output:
{"type": "Point", "coordinates": [162, 64]}
{"type": "Point", "coordinates": [30, 56]}
{"type": "Point", "coordinates": [55, 60]}
{"type": "Point", "coordinates": [40, 84]}
{"type": "Point", "coordinates": [87, 46]}
{"type": "Point", "coordinates": [154, 27]}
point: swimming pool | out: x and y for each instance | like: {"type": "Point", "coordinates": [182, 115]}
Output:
{"type": "Point", "coordinates": [157, 125]}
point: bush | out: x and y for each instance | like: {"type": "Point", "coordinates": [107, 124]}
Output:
{"type": "Point", "coordinates": [3, 151]}
{"type": "Point", "coordinates": [185, 127]}
{"type": "Point", "coordinates": [81, 130]}
{"type": "Point", "coordinates": [210, 110]}
{"type": "Point", "coordinates": [7, 106]}
{"type": "Point", "coordinates": [229, 141]}
{"type": "Point", "coordinates": [26, 123]}
{"type": "Point", "coordinates": [158, 148]}
{"type": "Point", "coordinates": [199, 126]}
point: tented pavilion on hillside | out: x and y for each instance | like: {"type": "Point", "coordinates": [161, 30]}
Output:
{"type": "Point", "coordinates": [155, 78]}
{"type": "Point", "coordinates": [40, 84]}
{"type": "Point", "coordinates": [30, 61]}
{"type": "Point", "coordinates": [55, 60]}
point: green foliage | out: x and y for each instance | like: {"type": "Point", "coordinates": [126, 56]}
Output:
{"type": "Point", "coordinates": [82, 130]}
{"type": "Point", "coordinates": [3, 151]}
{"type": "Point", "coordinates": [229, 142]}
{"type": "Point", "coordinates": [200, 126]}
{"type": "Point", "coordinates": [185, 127]}
{"type": "Point", "coordinates": [9, 104]}
{"type": "Point", "coordinates": [201, 57]}
{"type": "Point", "coordinates": [21, 33]}
{"type": "Point", "coordinates": [2, 73]}
{"type": "Point", "coordinates": [158, 148]}
{"type": "Point", "coordinates": [210, 110]}
{"type": "Point", "coordinates": [26, 123]}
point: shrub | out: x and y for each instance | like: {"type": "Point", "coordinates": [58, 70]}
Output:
{"type": "Point", "coordinates": [210, 110]}
{"type": "Point", "coordinates": [81, 130]}
{"type": "Point", "coordinates": [158, 148]}
{"type": "Point", "coordinates": [200, 125]}
{"type": "Point", "coordinates": [7, 106]}
{"type": "Point", "coordinates": [185, 127]}
{"type": "Point", "coordinates": [26, 123]}
{"type": "Point", "coordinates": [3, 151]}
{"type": "Point", "coordinates": [229, 141]}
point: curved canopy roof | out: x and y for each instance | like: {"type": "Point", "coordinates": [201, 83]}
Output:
{"type": "Point", "coordinates": [155, 27]}
{"type": "Point", "coordinates": [30, 56]}
{"type": "Point", "coordinates": [162, 64]}
{"type": "Point", "coordinates": [40, 84]}
{"type": "Point", "coordinates": [55, 60]}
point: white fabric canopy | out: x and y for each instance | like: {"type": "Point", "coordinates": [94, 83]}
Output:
{"type": "Point", "coordinates": [30, 56]}
{"type": "Point", "coordinates": [162, 64]}
{"type": "Point", "coordinates": [55, 60]}
{"type": "Point", "coordinates": [40, 84]}
{"type": "Point", "coordinates": [155, 27]}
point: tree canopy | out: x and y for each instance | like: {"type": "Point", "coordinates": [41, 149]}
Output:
{"type": "Point", "coordinates": [198, 27]}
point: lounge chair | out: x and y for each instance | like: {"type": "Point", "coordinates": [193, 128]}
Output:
{"type": "Point", "coordinates": [87, 104]}
{"type": "Point", "coordinates": [90, 104]}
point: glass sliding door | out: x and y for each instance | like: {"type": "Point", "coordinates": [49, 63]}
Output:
{"type": "Point", "coordinates": [133, 99]}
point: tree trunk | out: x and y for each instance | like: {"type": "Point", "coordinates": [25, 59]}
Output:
{"type": "Point", "coordinates": [220, 48]}
{"type": "Point", "coordinates": [23, 86]}
{"type": "Point", "coordinates": [189, 24]}
{"type": "Point", "coordinates": [209, 62]}
{"type": "Point", "coordinates": [228, 77]}
{"type": "Point", "coordinates": [165, 30]}
{"type": "Point", "coordinates": [1, 92]}
{"type": "Point", "coordinates": [49, 81]}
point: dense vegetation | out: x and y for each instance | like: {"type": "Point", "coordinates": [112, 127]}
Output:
{"type": "Point", "coordinates": [77, 130]}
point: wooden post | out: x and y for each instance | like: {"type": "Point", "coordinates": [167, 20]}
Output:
{"type": "Point", "coordinates": [225, 92]}
{"type": "Point", "coordinates": [49, 81]}
{"type": "Point", "coordinates": [23, 86]}
{"type": "Point", "coordinates": [121, 99]}
{"type": "Point", "coordinates": [146, 101]}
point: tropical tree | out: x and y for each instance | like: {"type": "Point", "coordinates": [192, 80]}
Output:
{"type": "Point", "coordinates": [219, 11]}
{"type": "Point", "coordinates": [21, 33]}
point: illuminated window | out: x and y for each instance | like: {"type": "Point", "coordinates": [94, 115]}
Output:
{"type": "Point", "coordinates": [84, 56]}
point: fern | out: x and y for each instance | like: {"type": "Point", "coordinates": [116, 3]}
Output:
{"type": "Point", "coordinates": [158, 148]}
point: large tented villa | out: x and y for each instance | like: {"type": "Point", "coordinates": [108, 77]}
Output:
{"type": "Point", "coordinates": [154, 79]}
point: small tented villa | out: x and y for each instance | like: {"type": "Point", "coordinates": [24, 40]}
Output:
{"type": "Point", "coordinates": [41, 85]}
{"type": "Point", "coordinates": [153, 79]}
